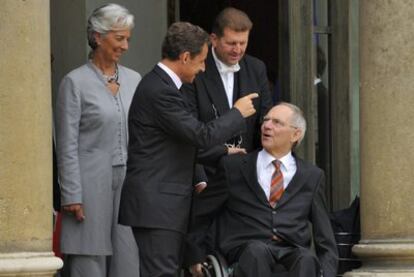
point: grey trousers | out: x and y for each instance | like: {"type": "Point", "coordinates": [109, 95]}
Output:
{"type": "Point", "coordinates": [124, 261]}
{"type": "Point", "coordinates": [83, 265]}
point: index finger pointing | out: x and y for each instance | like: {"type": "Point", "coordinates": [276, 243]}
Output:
{"type": "Point", "coordinates": [253, 95]}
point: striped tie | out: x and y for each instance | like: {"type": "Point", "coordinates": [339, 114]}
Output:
{"type": "Point", "coordinates": [276, 185]}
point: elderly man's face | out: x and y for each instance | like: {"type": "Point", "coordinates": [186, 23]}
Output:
{"type": "Point", "coordinates": [278, 133]}
{"type": "Point", "coordinates": [113, 44]}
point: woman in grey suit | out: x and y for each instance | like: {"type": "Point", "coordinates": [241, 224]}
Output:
{"type": "Point", "coordinates": [91, 138]}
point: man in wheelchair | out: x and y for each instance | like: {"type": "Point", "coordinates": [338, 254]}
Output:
{"type": "Point", "coordinates": [271, 208]}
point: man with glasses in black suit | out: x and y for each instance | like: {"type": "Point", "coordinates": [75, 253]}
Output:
{"type": "Point", "coordinates": [273, 211]}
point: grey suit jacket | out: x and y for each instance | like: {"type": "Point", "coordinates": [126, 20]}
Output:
{"type": "Point", "coordinates": [85, 128]}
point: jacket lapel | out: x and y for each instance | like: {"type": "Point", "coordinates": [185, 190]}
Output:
{"type": "Point", "coordinates": [164, 76]}
{"type": "Point", "coordinates": [250, 176]}
{"type": "Point", "coordinates": [295, 184]}
{"type": "Point", "coordinates": [244, 80]}
{"type": "Point", "coordinates": [214, 86]}
{"type": "Point", "coordinates": [125, 97]}
{"type": "Point", "coordinates": [248, 83]}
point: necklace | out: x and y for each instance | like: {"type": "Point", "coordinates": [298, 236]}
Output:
{"type": "Point", "coordinates": [112, 78]}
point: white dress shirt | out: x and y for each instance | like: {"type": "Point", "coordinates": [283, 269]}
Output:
{"type": "Point", "coordinates": [174, 77]}
{"type": "Point", "coordinates": [227, 76]}
{"type": "Point", "coordinates": [265, 169]}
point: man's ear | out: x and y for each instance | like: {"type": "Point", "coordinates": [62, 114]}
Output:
{"type": "Point", "coordinates": [185, 57]}
{"type": "Point", "coordinates": [296, 135]}
{"type": "Point", "coordinates": [213, 39]}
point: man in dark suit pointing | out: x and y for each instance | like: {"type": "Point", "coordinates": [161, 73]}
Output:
{"type": "Point", "coordinates": [163, 138]}
{"type": "Point", "coordinates": [271, 197]}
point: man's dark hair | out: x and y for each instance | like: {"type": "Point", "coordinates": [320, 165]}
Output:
{"type": "Point", "coordinates": [182, 37]}
{"type": "Point", "coordinates": [233, 19]}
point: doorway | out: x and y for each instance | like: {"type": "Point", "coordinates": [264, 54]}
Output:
{"type": "Point", "coordinates": [310, 49]}
{"type": "Point", "coordinates": [263, 39]}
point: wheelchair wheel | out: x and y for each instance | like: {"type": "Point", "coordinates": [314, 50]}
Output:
{"type": "Point", "coordinates": [216, 268]}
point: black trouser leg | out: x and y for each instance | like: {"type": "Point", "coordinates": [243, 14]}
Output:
{"type": "Point", "coordinates": [255, 260]}
{"type": "Point", "coordinates": [159, 252]}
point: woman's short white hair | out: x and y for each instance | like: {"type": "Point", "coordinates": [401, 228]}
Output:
{"type": "Point", "coordinates": [108, 18]}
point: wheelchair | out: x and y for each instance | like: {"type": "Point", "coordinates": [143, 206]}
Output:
{"type": "Point", "coordinates": [216, 266]}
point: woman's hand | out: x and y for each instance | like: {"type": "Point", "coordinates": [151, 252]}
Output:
{"type": "Point", "coordinates": [76, 210]}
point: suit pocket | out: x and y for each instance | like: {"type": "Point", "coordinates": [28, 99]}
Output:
{"type": "Point", "coordinates": [174, 188]}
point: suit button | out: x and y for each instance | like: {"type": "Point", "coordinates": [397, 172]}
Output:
{"type": "Point", "coordinates": [274, 212]}
{"type": "Point", "coordinates": [274, 230]}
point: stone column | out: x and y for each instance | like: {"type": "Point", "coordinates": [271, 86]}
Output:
{"type": "Point", "coordinates": [387, 138]}
{"type": "Point", "coordinates": [25, 140]}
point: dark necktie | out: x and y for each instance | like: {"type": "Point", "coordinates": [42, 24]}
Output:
{"type": "Point", "coordinates": [276, 185]}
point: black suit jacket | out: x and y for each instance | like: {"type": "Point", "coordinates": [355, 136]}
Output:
{"type": "Point", "coordinates": [163, 137]}
{"type": "Point", "coordinates": [208, 95]}
{"type": "Point", "coordinates": [247, 215]}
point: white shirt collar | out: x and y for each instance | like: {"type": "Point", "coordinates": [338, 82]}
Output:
{"type": "Point", "coordinates": [286, 160]}
{"type": "Point", "coordinates": [265, 169]}
{"type": "Point", "coordinates": [174, 77]}
{"type": "Point", "coordinates": [223, 68]}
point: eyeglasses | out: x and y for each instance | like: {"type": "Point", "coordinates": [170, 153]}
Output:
{"type": "Point", "coordinates": [278, 123]}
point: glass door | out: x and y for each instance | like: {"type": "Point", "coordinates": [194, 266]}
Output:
{"type": "Point", "coordinates": [318, 71]}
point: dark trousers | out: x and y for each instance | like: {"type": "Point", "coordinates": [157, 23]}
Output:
{"type": "Point", "coordinates": [159, 252]}
{"type": "Point", "coordinates": [262, 259]}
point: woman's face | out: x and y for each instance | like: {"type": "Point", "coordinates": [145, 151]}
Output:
{"type": "Point", "coordinates": [113, 44]}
